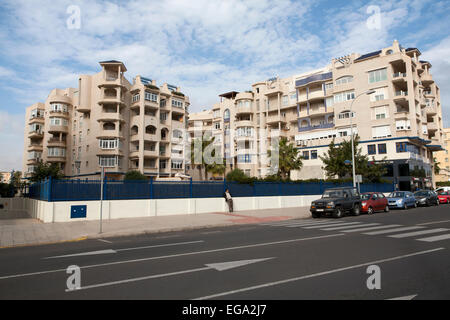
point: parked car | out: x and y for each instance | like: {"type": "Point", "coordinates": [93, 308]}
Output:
{"type": "Point", "coordinates": [426, 198]}
{"type": "Point", "coordinates": [337, 202]}
{"type": "Point", "coordinates": [401, 200]}
{"type": "Point", "coordinates": [444, 197]}
{"type": "Point", "coordinates": [373, 201]}
{"type": "Point", "coordinates": [442, 189]}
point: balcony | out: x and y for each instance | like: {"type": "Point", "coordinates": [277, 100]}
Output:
{"type": "Point", "coordinates": [34, 161]}
{"type": "Point", "coordinates": [150, 153]}
{"type": "Point", "coordinates": [399, 77]}
{"type": "Point", "coordinates": [36, 134]}
{"type": "Point", "coordinates": [314, 78]}
{"type": "Point", "coordinates": [35, 147]}
{"type": "Point", "coordinates": [36, 119]}
{"type": "Point", "coordinates": [134, 154]}
{"type": "Point", "coordinates": [58, 129]}
{"type": "Point", "coordinates": [315, 127]}
{"type": "Point", "coordinates": [111, 81]}
{"type": "Point", "coordinates": [431, 110]}
{"type": "Point", "coordinates": [432, 127]}
{"type": "Point", "coordinates": [428, 94]}
{"type": "Point", "coordinates": [401, 114]}
{"type": "Point", "coordinates": [427, 79]}
{"type": "Point", "coordinates": [316, 95]}
{"type": "Point", "coordinates": [56, 159]}
{"type": "Point", "coordinates": [107, 99]}
{"type": "Point", "coordinates": [320, 111]}
{"type": "Point", "coordinates": [56, 142]}
{"type": "Point", "coordinates": [110, 117]}
{"type": "Point", "coordinates": [244, 123]}
{"type": "Point", "coordinates": [60, 114]}
{"type": "Point", "coordinates": [401, 96]}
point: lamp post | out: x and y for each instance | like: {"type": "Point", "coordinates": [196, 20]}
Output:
{"type": "Point", "coordinates": [351, 133]}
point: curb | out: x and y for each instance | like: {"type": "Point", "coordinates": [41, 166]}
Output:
{"type": "Point", "coordinates": [44, 243]}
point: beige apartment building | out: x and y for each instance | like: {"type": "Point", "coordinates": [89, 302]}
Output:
{"type": "Point", "coordinates": [108, 122]}
{"type": "Point", "coordinates": [443, 158]}
{"type": "Point", "coordinates": [400, 121]}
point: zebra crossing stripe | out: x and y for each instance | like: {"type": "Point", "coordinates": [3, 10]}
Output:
{"type": "Point", "coordinates": [331, 225]}
{"type": "Point", "coordinates": [298, 222]}
{"type": "Point", "coordinates": [418, 233]}
{"type": "Point", "coordinates": [436, 238]}
{"type": "Point", "coordinates": [373, 233]}
{"type": "Point", "coordinates": [315, 224]}
{"type": "Point", "coordinates": [354, 226]}
{"type": "Point", "coordinates": [373, 228]}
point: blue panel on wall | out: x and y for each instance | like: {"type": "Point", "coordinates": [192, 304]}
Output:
{"type": "Point", "coordinates": [78, 212]}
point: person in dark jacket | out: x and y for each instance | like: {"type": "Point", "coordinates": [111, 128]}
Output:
{"type": "Point", "coordinates": [228, 199]}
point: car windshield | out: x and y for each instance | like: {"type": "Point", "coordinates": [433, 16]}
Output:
{"type": "Point", "coordinates": [421, 193]}
{"type": "Point", "coordinates": [333, 194]}
{"type": "Point", "coordinates": [365, 196]}
{"type": "Point", "coordinates": [396, 195]}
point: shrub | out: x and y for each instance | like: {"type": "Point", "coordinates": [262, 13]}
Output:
{"type": "Point", "coordinates": [134, 175]}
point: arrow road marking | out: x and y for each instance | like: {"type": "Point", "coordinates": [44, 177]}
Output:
{"type": "Point", "coordinates": [404, 298]}
{"type": "Point", "coordinates": [221, 266]}
{"type": "Point", "coordinates": [125, 249]}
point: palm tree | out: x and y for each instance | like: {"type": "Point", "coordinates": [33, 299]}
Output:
{"type": "Point", "coordinates": [288, 158]}
{"type": "Point", "coordinates": [197, 155]}
{"type": "Point", "coordinates": [437, 169]}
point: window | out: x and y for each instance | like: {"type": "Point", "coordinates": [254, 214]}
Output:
{"type": "Point", "coordinates": [345, 115]}
{"type": "Point", "coordinates": [382, 148]}
{"type": "Point", "coordinates": [371, 149]}
{"type": "Point", "coordinates": [313, 154]}
{"type": "Point", "coordinates": [306, 155]}
{"type": "Point", "coordinates": [344, 96]}
{"type": "Point", "coordinates": [58, 107]}
{"type": "Point", "coordinates": [163, 116]}
{"type": "Point", "coordinates": [381, 132]}
{"type": "Point", "coordinates": [216, 113]}
{"type": "Point", "coordinates": [162, 103]}
{"type": "Point", "coordinates": [343, 80]}
{"type": "Point", "coordinates": [328, 86]}
{"type": "Point", "coordinates": [176, 164]}
{"type": "Point", "coordinates": [244, 132]}
{"type": "Point", "coordinates": [226, 115]}
{"type": "Point", "coordinates": [108, 161]}
{"type": "Point", "coordinates": [329, 101]}
{"type": "Point", "coordinates": [151, 96]}
{"type": "Point", "coordinates": [378, 75]}
{"type": "Point", "coordinates": [177, 103]}
{"type": "Point", "coordinates": [403, 125]}
{"type": "Point", "coordinates": [217, 125]}
{"type": "Point", "coordinates": [56, 152]}
{"type": "Point", "coordinates": [109, 144]}
{"type": "Point", "coordinates": [136, 97]}
{"type": "Point", "coordinates": [380, 113]}
{"type": "Point", "coordinates": [244, 158]}
{"type": "Point", "coordinates": [285, 100]}
{"type": "Point", "coordinates": [58, 122]}
{"type": "Point", "coordinates": [379, 94]}
{"type": "Point", "coordinates": [401, 147]}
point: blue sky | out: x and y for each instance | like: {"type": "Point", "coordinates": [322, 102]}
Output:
{"type": "Point", "coordinates": [206, 47]}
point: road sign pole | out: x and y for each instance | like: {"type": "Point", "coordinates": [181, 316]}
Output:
{"type": "Point", "coordinates": [101, 196]}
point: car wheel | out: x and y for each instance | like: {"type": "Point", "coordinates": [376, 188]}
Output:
{"type": "Point", "coordinates": [386, 209]}
{"type": "Point", "coordinates": [437, 202]}
{"type": "Point", "coordinates": [338, 213]}
{"type": "Point", "coordinates": [370, 210]}
{"type": "Point", "coordinates": [405, 206]}
{"type": "Point", "coordinates": [356, 210]}
{"type": "Point", "coordinates": [315, 215]}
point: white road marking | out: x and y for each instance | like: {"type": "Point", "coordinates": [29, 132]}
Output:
{"type": "Point", "coordinates": [299, 223]}
{"type": "Point", "coordinates": [125, 249]}
{"type": "Point", "coordinates": [315, 223]}
{"type": "Point", "coordinates": [373, 228]}
{"type": "Point", "coordinates": [269, 284]}
{"type": "Point", "coordinates": [175, 255]}
{"type": "Point", "coordinates": [221, 266]}
{"type": "Point", "coordinates": [103, 240]}
{"type": "Point", "coordinates": [353, 226]}
{"type": "Point", "coordinates": [432, 222]}
{"type": "Point", "coordinates": [404, 297]}
{"type": "Point", "coordinates": [373, 233]}
{"type": "Point", "coordinates": [418, 233]}
{"type": "Point", "coordinates": [435, 238]}
{"type": "Point", "coordinates": [331, 225]}
{"type": "Point", "coordinates": [90, 253]}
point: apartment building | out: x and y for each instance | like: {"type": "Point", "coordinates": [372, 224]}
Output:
{"type": "Point", "coordinates": [108, 122]}
{"type": "Point", "coordinates": [443, 158]}
{"type": "Point", "coordinates": [400, 121]}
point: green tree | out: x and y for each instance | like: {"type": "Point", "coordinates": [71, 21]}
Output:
{"type": "Point", "coordinates": [133, 175]}
{"type": "Point", "coordinates": [46, 170]}
{"type": "Point", "coordinates": [335, 162]}
{"type": "Point", "coordinates": [436, 166]}
{"type": "Point", "coordinates": [288, 158]}
{"type": "Point", "coordinates": [198, 157]}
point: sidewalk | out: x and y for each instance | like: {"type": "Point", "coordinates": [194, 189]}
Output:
{"type": "Point", "coordinates": [19, 232]}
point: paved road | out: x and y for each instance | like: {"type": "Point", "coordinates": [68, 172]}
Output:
{"type": "Point", "coordinates": [291, 259]}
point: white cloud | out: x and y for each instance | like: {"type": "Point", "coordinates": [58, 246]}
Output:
{"type": "Point", "coordinates": [11, 141]}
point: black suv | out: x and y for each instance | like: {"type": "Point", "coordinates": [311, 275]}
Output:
{"type": "Point", "coordinates": [336, 202]}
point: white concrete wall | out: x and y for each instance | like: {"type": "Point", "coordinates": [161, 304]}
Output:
{"type": "Point", "coordinates": [119, 209]}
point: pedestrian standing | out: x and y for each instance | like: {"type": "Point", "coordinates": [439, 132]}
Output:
{"type": "Point", "coordinates": [228, 199]}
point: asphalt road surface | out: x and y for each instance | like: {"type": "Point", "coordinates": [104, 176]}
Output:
{"type": "Point", "coordinates": [294, 259]}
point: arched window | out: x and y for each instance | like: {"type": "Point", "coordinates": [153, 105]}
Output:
{"type": "Point", "coordinates": [226, 115]}
{"type": "Point", "coordinates": [134, 130]}
{"type": "Point", "coordinates": [389, 52]}
{"type": "Point", "coordinates": [344, 79]}
{"type": "Point", "coordinates": [109, 126]}
{"type": "Point", "coordinates": [150, 130]}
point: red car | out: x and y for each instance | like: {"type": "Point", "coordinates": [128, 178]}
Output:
{"type": "Point", "coordinates": [373, 201]}
{"type": "Point", "coordinates": [444, 197]}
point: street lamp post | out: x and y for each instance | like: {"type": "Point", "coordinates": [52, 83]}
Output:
{"type": "Point", "coordinates": [351, 133]}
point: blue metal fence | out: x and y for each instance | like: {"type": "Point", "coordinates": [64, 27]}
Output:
{"type": "Point", "coordinates": [82, 190]}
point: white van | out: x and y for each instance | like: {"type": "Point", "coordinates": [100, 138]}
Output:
{"type": "Point", "coordinates": [442, 189]}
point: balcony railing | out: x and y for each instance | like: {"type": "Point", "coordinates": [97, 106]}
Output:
{"type": "Point", "coordinates": [318, 126]}
{"type": "Point", "coordinates": [399, 75]}
{"type": "Point", "coordinates": [401, 93]}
